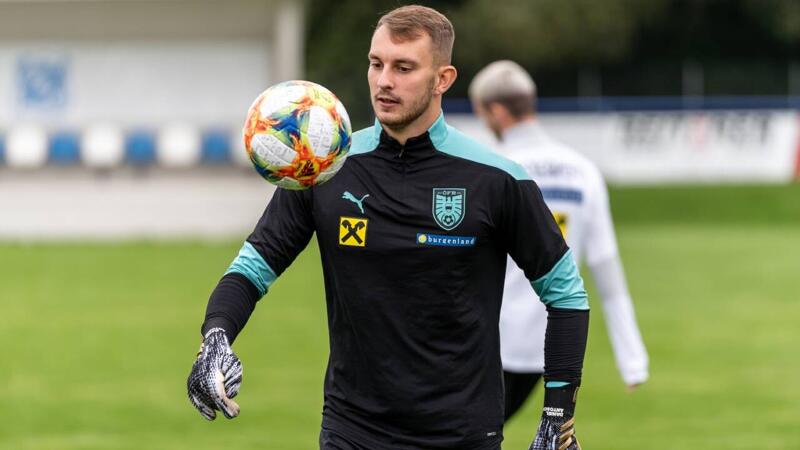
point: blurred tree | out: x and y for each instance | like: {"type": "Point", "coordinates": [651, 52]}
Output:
{"type": "Point", "coordinates": [736, 50]}
{"type": "Point", "coordinates": [782, 17]}
{"type": "Point", "coordinates": [609, 47]}
{"type": "Point", "coordinates": [338, 39]}
{"type": "Point", "coordinates": [550, 32]}
{"type": "Point", "coordinates": [546, 34]}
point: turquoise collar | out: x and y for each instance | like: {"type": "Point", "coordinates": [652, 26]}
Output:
{"type": "Point", "coordinates": [437, 132]}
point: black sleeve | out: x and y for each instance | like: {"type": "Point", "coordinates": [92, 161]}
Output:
{"type": "Point", "coordinates": [231, 304]}
{"type": "Point", "coordinates": [284, 229]}
{"type": "Point", "coordinates": [281, 234]}
{"type": "Point", "coordinates": [532, 236]}
{"type": "Point", "coordinates": [535, 243]}
{"type": "Point", "coordinates": [565, 344]}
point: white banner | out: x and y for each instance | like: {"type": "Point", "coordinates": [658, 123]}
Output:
{"type": "Point", "coordinates": [680, 146]}
{"type": "Point", "coordinates": [130, 83]}
{"type": "Point", "coordinates": [143, 64]}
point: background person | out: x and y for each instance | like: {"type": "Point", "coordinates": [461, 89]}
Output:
{"type": "Point", "coordinates": [503, 94]}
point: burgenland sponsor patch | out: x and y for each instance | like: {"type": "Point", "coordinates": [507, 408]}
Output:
{"type": "Point", "coordinates": [439, 240]}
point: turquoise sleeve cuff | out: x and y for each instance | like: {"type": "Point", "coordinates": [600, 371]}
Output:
{"type": "Point", "coordinates": [562, 287]}
{"type": "Point", "coordinates": [250, 264]}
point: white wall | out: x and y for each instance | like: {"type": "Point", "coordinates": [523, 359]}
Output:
{"type": "Point", "coordinates": [135, 82]}
{"type": "Point", "coordinates": [66, 205]}
{"type": "Point", "coordinates": [676, 147]}
{"type": "Point", "coordinates": [142, 63]}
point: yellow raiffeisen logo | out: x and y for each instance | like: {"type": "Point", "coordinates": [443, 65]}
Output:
{"type": "Point", "coordinates": [561, 220]}
{"type": "Point", "coordinates": [353, 231]}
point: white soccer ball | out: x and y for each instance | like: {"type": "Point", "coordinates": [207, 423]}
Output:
{"type": "Point", "coordinates": [297, 134]}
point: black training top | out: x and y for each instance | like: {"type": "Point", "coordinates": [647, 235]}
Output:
{"type": "Point", "coordinates": [413, 242]}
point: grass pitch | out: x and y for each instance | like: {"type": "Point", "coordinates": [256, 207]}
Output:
{"type": "Point", "coordinates": [98, 339]}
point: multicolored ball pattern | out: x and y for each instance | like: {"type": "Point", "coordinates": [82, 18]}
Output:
{"type": "Point", "coordinates": [297, 134]}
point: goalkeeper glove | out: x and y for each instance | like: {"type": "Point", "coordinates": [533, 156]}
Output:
{"type": "Point", "coordinates": [216, 377]}
{"type": "Point", "coordinates": [557, 426]}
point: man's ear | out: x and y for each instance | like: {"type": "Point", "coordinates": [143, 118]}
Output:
{"type": "Point", "coordinates": [445, 77]}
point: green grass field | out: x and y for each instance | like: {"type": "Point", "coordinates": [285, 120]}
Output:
{"type": "Point", "coordinates": [97, 339]}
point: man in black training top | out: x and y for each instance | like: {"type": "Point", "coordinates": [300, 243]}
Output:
{"type": "Point", "coordinates": [413, 232]}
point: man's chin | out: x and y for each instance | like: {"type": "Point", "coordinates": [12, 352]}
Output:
{"type": "Point", "coordinates": [391, 120]}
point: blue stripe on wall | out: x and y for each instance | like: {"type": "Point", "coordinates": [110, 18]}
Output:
{"type": "Point", "coordinates": [140, 147]}
{"type": "Point", "coordinates": [216, 146]}
{"type": "Point", "coordinates": [65, 148]}
{"type": "Point", "coordinates": [651, 103]}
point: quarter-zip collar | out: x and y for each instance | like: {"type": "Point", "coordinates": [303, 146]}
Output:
{"type": "Point", "coordinates": [416, 147]}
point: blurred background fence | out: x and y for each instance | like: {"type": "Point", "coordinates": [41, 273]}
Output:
{"type": "Point", "coordinates": [115, 113]}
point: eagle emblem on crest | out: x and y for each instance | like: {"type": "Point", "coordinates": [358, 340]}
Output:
{"type": "Point", "coordinates": [449, 206]}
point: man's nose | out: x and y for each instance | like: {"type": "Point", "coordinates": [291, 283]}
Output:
{"type": "Point", "coordinates": [385, 80]}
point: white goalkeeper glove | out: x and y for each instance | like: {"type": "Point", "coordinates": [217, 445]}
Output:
{"type": "Point", "coordinates": [557, 427]}
{"type": "Point", "coordinates": [216, 377]}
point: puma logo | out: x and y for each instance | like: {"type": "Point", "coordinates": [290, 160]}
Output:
{"type": "Point", "coordinates": [359, 202]}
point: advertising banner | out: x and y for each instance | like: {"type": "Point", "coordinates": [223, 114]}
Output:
{"type": "Point", "coordinates": [676, 146]}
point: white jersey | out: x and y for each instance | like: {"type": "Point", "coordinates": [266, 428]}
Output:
{"type": "Point", "coordinates": [575, 192]}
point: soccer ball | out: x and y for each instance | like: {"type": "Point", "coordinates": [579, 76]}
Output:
{"type": "Point", "coordinates": [297, 134]}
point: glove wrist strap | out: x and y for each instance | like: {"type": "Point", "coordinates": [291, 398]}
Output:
{"type": "Point", "coordinates": [212, 331]}
{"type": "Point", "coordinates": [559, 402]}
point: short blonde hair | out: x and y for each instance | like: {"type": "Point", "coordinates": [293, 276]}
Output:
{"type": "Point", "coordinates": [410, 22]}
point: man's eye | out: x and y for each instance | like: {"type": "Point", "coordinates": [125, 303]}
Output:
{"type": "Point", "coordinates": [404, 69]}
{"type": "Point", "coordinates": [375, 65]}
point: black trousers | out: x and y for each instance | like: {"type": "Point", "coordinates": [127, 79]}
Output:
{"type": "Point", "coordinates": [518, 388]}
{"type": "Point", "coordinates": [329, 440]}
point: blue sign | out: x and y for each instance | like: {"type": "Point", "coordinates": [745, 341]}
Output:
{"type": "Point", "coordinates": [42, 81]}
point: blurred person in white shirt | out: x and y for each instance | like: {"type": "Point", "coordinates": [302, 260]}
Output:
{"type": "Point", "coordinates": [503, 95]}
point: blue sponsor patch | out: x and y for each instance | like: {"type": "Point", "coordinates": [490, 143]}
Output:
{"type": "Point", "coordinates": [562, 194]}
{"type": "Point", "coordinates": [439, 240]}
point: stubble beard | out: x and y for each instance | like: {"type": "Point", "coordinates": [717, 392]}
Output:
{"type": "Point", "coordinates": [415, 110]}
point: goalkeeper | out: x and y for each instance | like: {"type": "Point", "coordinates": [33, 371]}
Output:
{"type": "Point", "coordinates": [503, 95]}
{"type": "Point", "coordinates": [413, 271]}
